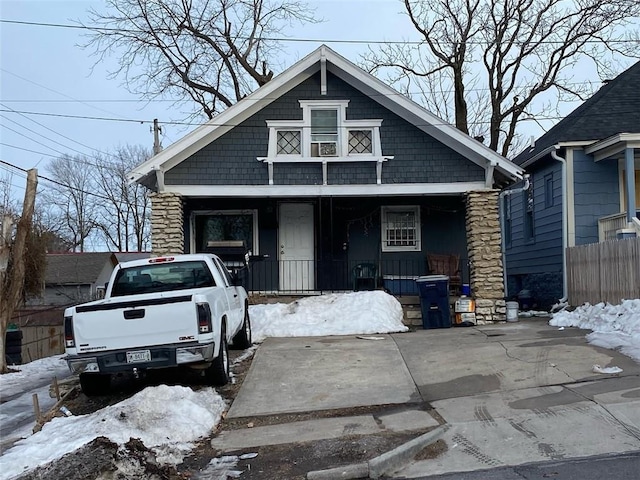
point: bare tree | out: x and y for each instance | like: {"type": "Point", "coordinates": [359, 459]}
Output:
{"type": "Point", "coordinates": [13, 267]}
{"type": "Point", "coordinates": [123, 216]}
{"type": "Point", "coordinates": [505, 55]}
{"type": "Point", "coordinates": [211, 52]}
{"type": "Point", "coordinates": [73, 196]}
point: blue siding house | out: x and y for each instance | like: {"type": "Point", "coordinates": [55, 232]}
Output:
{"type": "Point", "coordinates": [323, 170]}
{"type": "Point", "coordinates": [584, 188]}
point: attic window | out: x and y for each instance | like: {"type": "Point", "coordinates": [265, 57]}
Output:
{"type": "Point", "coordinates": [360, 141]}
{"type": "Point", "coordinates": [289, 142]}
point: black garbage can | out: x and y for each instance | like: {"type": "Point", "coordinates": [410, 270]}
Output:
{"type": "Point", "coordinates": [434, 301]}
{"type": "Point", "coordinates": [13, 347]}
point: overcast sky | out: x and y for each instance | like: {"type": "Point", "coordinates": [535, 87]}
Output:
{"type": "Point", "coordinates": [44, 70]}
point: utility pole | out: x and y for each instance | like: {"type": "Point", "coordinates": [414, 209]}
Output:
{"type": "Point", "coordinates": [157, 130]}
{"type": "Point", "coordinates": [12, 279]}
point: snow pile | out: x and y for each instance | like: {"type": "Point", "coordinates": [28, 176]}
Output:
{"type": "Point", "coordinates": [166, 419]}
{"type": "Point", "coordinates": [334, 314]}
{"type": "Point", "coordinates": [34, 372]}
{"type": "Point", "coordinates": [616, 327]}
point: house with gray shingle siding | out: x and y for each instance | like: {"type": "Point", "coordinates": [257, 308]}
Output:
{"type": "Point", "coordinates": [585, 173]}
{"type": "Point", "coordinates": [323, 169]}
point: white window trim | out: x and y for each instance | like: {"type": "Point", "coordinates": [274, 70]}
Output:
{"type": "Point", "coordinates": [383, 222]}
{"type": "Point", "coordinates": [195, 213]}
{"type": "Point", "coordinates": [344, 126]}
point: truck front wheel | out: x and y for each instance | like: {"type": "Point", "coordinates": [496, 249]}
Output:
{"type": "Point", "coordinates": [95, 383]}
{"type": "Point", "coordinates": [218, 373]}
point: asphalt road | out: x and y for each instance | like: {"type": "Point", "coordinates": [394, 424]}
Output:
{"type": "Point", "coordinates": [618, 467]}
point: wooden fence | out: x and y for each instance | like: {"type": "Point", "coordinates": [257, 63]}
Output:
{"type": "Point", "coordinates": [604, 272]}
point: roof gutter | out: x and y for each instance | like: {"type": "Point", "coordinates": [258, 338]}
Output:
{"type": "Point", "coordinates": [565, 234]}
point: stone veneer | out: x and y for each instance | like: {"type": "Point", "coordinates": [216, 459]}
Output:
{"type": "Point", "coordinates": [167, 232]}
{"type": "Point", "coordinates": [485, 255]}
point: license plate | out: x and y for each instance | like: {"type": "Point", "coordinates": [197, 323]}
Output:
{"type": "Point", "coordinates": [139, 356]}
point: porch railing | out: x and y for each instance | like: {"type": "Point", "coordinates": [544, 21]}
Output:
{"type": "Point", "coordinates": [326, 276]}
{"type": "Point", "coordinates": [609, 225]}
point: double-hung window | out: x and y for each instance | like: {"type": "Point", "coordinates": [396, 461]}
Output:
{"type": "Point", "coordinates": [324, 132]}
{"type": "Point", "coordinates": [400, 228]}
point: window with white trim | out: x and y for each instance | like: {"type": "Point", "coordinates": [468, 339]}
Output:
{"type": "Point", "coordinates": [360, 141]}
{"type": "Point", "coordinates": [220, 225]}
{"type": "Point", "coordinates": [289, 142]}
{"type": "Point", "coordinates": [400, 228]}
{"type": "Point", "coordinates": [324, 132]}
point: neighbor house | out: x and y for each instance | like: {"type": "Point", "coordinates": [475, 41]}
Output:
{"type": "Point", "coordinates": [328, 175]}
{"type": "Point", "coordinates": [585, 188]}
{"type": "Point", "coordinates": [72, 278]}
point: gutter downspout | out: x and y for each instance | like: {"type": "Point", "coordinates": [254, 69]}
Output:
{"type": "Point", "coordinates": [565, 229]}
{"type": "Point", "coordinates": [503, 245]}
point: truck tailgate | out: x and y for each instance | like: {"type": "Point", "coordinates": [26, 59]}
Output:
{"type": "Point", "coordinates": [147, 320]}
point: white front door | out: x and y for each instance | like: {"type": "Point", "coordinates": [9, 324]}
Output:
{"type": "Point", "coordinates": [296, 252]}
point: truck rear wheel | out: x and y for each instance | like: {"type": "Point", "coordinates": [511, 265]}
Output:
{"type": "Point", "coordinates": [242, 339]}
{"type": "Point", "coordinates": [93, 384]}
{"type": "Point", "coordinates": [218, 372]}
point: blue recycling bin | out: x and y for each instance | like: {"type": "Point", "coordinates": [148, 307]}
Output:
{"type": "Point", "coordinates": [434, 301]}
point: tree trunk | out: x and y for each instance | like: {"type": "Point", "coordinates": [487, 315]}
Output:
{"type": "Point", "coordinates": [12, 286]}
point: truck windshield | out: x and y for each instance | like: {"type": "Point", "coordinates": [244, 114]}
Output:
{"type": "Point", "coordinates": [162, 277]}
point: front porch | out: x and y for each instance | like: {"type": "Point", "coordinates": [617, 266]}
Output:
{"type": "Point", "coordinates": [313, 245]}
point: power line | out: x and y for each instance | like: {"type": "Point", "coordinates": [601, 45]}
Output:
{"type": "Point", "coordinates": [27, 150]}
{"type": "Point", "coordinates": [56, 91]}
{"type": "Point", "coordinates": [289, 39]}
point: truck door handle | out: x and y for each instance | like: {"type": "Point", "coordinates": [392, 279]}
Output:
{"type": "Point", "coordinates": [235, 295]}
{"type": "Point", "coordinates": [133, 314]}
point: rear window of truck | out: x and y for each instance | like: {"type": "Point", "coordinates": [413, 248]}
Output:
{"type": "Point", "coordinates": [162, 277]}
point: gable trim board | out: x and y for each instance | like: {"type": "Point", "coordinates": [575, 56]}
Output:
{"type": "Point", "coordinates": [336, 64]}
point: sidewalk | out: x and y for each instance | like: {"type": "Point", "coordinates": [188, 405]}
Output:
{"type": "Point", "coordinates": [508, 394]}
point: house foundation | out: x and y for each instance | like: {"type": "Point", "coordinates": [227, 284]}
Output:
{"type": "Point", "coordinates": [167, 224]}
{"type": "Point", "coordinates": [485, 257]}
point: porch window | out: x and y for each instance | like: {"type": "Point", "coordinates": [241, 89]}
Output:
{"type": "Point", "coordinates": [221, 225]}
{"type": "Point", "coordinates": [400, 228]}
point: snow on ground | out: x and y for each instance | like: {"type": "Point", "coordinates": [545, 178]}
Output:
{"type": "Point", "coordinates": [616, 327]}
{"type": "Point", "coordinates": [335, 314]}
{"type": "Point", "coordinates": [169, 419]}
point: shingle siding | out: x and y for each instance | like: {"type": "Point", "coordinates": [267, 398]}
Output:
{"type": "Point", "coordinates": [232, 158]}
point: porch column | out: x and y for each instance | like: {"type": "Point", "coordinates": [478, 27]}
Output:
{"type": "Point", "coordinates": [167, 232]}
{"type": "Point", "coordinates": [485, 256]}
{"type": "Point", "coordinates": [630, 183]}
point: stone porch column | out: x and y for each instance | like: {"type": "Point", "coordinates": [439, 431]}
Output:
{"type": "Point", "coordinates": [167, 220]}
{"type": "Point", "coordinates": [485, 255]}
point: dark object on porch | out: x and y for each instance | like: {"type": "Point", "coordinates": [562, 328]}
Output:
{"type": "Point", "coordinates": [235, 256]}
{"type": "Point", "coordinates": [364, 277]}
{"type": "Point", "coordinates": [434, 301]}
{"type": "Point", "coordinates": [449, 265]}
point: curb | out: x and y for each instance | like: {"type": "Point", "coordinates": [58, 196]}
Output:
{"type": "Point", "coordinates": [382, 464]}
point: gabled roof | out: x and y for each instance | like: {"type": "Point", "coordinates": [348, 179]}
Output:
{"type": "Point", "coordinates": [76, 268]}
{"type": "Point", "coordinates": [613, 109]}
{"type": "Point", "coordinates": [350, 73]}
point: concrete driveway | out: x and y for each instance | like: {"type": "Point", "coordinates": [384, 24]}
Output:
{"type": "Point", "coordinates": [510, 393]}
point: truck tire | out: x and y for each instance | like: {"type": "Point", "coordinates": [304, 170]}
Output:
{"type": "Point", "coordinates": [243, 339]}
{"type": "Point", "coordinates": [218, 372]}
{"type": "Point", "coordinates": [93, 384]}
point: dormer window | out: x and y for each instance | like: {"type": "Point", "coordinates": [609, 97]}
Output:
{"type": "Point", "coordinates": [324, 132]}
{"type": "Point", "coordinates": [324, 135]}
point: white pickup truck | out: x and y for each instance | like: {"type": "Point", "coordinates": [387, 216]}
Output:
{"type": "Point", "coordinates": [161, 312]}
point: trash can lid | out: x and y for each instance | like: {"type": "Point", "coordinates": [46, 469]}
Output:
{"type": "Point", "coordinates": [432, 278]}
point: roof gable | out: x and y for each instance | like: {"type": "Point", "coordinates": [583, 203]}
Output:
{"type": "Point", "coordinates": [350, 73]}
{"type": "Point", "coordinates": [76, 268]}
{"type": "Point", "coordinates": [613, 109]}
